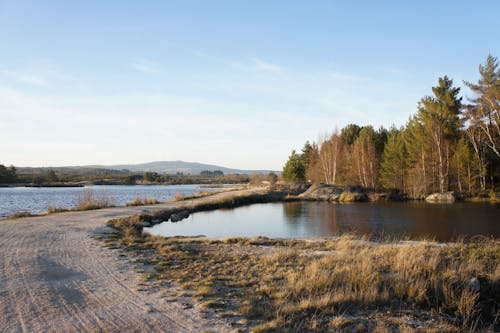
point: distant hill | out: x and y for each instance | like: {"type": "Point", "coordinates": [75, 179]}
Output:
{"type": "Point", "coordinates": [173, 167]}
{"type": "Point", "coordinates": [71, 170]}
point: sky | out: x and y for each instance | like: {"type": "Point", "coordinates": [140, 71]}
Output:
{"type": "Point", "coordinates": [233, 83]}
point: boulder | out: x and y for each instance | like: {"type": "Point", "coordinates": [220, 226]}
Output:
{"type": "Point", "coordinates": [323, 193]}
{"type": "Point", "coordinates": [176, 217]}
{"type": "Point", "coordinates": [441, 197]}
{"type": "Point", "coordinates": [353, 196]}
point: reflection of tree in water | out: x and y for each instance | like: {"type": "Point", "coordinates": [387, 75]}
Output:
{"type": "Point", "coordinates": [292, 211]}
{"type": "Point", "coordinates": [315, 218]}
{"type": "Point", "coordinates": [388, 221]}
{"type": "Point", "coordinates": [329, 219]}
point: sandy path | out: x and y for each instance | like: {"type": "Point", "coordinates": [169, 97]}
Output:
{"type": "Point", "coordinates": [56, 277]}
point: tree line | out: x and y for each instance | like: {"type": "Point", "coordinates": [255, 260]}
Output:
{"type": "Point", "coordinates": [8, 175]}
{"type": "Point", "coordinates": [448, 144]}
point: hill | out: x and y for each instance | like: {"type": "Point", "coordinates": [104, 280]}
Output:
{"type": "Point", "coordinates": [173, 167]}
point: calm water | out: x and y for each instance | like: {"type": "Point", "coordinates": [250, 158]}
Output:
{"type": "Point", "coordinates": [39, 199]}
{"type": "Point", "coordinates": [313, 219]}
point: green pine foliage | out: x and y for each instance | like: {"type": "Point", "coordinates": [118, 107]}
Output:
{"type": "Point", "coordinates": [294, 169]}
{"type": "Point", "coordinates": [393, 166]}
{"type": "Point", "coordinates": [446, 145]}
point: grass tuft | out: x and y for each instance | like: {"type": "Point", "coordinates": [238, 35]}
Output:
{"type": "Point", "coordinates": [18, 215]}
{"type": "Point", "coordinates": [89, 200]}
{"type": "Point", "coordinates": [142, 202]}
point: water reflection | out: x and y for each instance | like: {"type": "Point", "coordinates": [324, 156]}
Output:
{"type": "Point", "coordinates": [323, 219]}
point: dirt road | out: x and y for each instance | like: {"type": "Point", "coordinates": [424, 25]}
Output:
{"type": "Point", "coordinates": [55, 276]}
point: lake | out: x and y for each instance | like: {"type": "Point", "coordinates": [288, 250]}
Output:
{"type": "Point", "coordinates": [39, 199]}
{"type": "Point", "coordinates": [413, 220]}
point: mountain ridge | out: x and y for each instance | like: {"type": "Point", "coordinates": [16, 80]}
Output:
{"type": "Point", "coordinates": [173, 167]}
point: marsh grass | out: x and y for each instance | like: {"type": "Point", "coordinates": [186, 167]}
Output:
{"type": "Point", "coordinates": [178, 196]}
{"type": "Point", "coordinates": [17, 215]}
{"type": "Point", "coordinates": [347, 283]}
{"type": "Point", "coordinates": [89, 200]}
{"type": "Point", "coordinates": [139, 201]}
{"type": "Point", "coordinates": [53, 210]}
{"type": "Point", "coordinates": [344, 284]}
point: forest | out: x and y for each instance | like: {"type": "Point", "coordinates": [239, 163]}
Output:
{"type": "Point", "coordinates": [451, 143]}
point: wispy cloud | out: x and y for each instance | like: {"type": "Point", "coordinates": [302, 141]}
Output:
{"type": "Point", "coordinates": [348, 77]}
{"type": "Point", "coordinates": [261, 65]}
{"type": "Point", "coordinates": [33, 79]}
{"type": "Point", "coordinates": [42, 78]}
{"type": "Point", "coordinates": [144, 65]}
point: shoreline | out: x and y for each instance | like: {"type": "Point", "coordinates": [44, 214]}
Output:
{"type": "Point", "coordinates": [194, 284]}
{"type": "Point", "coordinates": [214, 272]}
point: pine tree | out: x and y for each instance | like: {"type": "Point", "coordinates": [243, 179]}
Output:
{"type": "Point", "coordinates": [294, 170]}
{"type": "Point", "coordinates": [393, 166]}
{"type": "Point", "coordinates": [418, 156]}
{"type": "Point", "coordinates": [439, 116]}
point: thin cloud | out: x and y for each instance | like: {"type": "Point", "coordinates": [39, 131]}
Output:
{"type": "Point", "coordinates": [348, 77]}
{"type": "Point", "coordinates": [28, 78]}
{"type": "Point", "coordinates": [144, 65]}
{"type": "Point", "coordinates": [261, 65]}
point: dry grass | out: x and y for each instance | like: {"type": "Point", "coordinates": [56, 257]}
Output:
{"type": "Point", "coordinates": [52, 210]}
{"type": "Point", "coordinates": [139, 201]}
{"type": "Point", "coordinates": [17, 215]}
{"type": "Point", "coordinates": [178, 196]}
{"type": "Point", "coordinates": [90, 200]}
{"type": "Point", "coordinates": [346, 284]}
{"type": "Point", "coordinates": [130, 227]}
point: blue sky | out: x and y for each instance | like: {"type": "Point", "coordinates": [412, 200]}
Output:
{"type": "Point", "coordinates": [234, 83]}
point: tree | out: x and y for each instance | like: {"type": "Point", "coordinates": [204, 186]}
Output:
{"type": "Point", "coordinates": [294, 170]}
{"type": "Point", "coordinates": [380, 139]}
{"type": "Point", "coordinates": [8, 175]}
{"type": "Point", "coordinates": [272, 178]}
{"type": "Point", "coordinates": [330, 156]}
{"type": "Point", "coordinates": [484, 113]}
{"type": "Point", "coordinates": [51, 176]}
{"type": "Point", "coordinates": [350, 133]}
{"type": "Point", "coordinates": [151, 176]}
{"type": "Point", "coordinates": [393, 166]}
{"type": "Point", "coordinates": [306, 155]}
{"type": "Point", "coordinates": [418, 156]}
{"type": "Point", "coordinates": [439, 116]}
{"type": "Point", "coordinates": [365, 158]}
{"type": "Point", "coordinates": [468, 169]}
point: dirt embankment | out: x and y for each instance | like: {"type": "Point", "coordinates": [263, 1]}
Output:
{"type": "Point", "coordinates": [56, 276]}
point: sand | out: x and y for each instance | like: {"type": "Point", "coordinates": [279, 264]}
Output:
{"type": "Point", "coordinates": [56, 276]}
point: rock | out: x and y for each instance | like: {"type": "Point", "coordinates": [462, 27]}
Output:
{"type": "Point", "coordinates": [376, 197]}
{"type": "Point", "coordinates": [474, 285]}
{"type": "Point", "coordinates": [179, 216]}
{"type": "Point", "coordinates": [350, 196]}
{"type": "Point", "coordinates": [444, 197]}
{"type": "Point", "coordinates": [324, 193]}
{"type": "Point", "coordinates": [147, 225]}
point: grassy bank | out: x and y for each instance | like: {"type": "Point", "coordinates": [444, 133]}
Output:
{"type": "Point", "coordinates": [342, 284]}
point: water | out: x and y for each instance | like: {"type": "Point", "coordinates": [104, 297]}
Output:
{"type": "Point", "coordinates": [39, 199]}
{"type": "Point", "coordinates": [414, 220]}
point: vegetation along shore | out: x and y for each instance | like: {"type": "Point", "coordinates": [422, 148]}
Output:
{"type": "Point", "coordinates": [452, 143]}
{"type": "Point", "coordinates": [347, 283]}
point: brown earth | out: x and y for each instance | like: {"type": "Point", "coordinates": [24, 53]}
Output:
{"type": "Point", "coordinates": [57, 276]}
